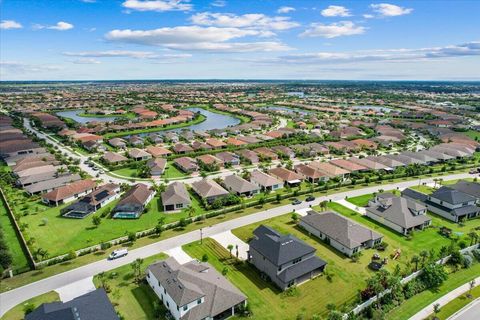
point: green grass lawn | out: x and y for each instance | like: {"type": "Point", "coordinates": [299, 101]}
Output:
{"type": "Point", "coordinates": [267, 302]}
{"type": "Point", "coordinates": [173, 172]}
{"type": "Point", "coordinates": [132, 300]}
{"type": "Point", "coordinates": [457, 304]}
{"type": "Point", "coordinates": [421, 300]}
{"type": "Point", "coordinates": [473, 134]}
{"type": "Point", "coordinates": [423, 189]}
{"type": "Point", "coordinates": [75, 234]}
{"type": "Point", "coordinates": [126, 172]}
{"type": "Point", "coordinates": [19, 258]}
{"type": "Point", "coordinates": [422, 240]}
{"type": "Point", "coordinates": [361, 201]}
{"type": "Point", "coordinates": [17, 312]}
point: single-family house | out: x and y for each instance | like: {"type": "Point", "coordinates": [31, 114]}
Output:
{"type": "Point", "coordinates": [452, 204]}
{"type": "Point", "coordinates": [265, 181]}
{"type": "Point", "coordinates": [117, 143]}
{"type": "Point", "coordinates": [113, 157]}
{"type": "Point", "coordinates": [287, 176]}
{"type": "Point", "coordinates": [284, 259]}
{"type": "Point", "coordinates": [133, 202]}
{"type": "Point", "coordinates": [69, 192]}
{"type": "Point", "coordinates": [228, 157]}
{"type": "Point", "coordinates": [209, 190]}
{"type": "Point", "coordinates": [186, 164]}
{"type": "Point", "coordinates": [157, 151]}
{"type": "Point", "coordinates": [310, 173]}
{"type": "Point", "coordinates": [92, 201]}
{"type": "Point", "coordinates": [157, 166]}
{"type": "Point", "coordinates": [175, 197]}
{"type": "Point", "coordinates": [182, 148]}
{"type": "Point", "coordinates": [240, 186]}
{"type": "Point", "coordinates": [194, 290]}
{"type": "Point", "coordinates": [248, 156]}
{"type": "Point", "coordinates": [341, 233]}
{"type": "Point", "coordinates": [398, 213]}
{"type": "Point", "coordinates": [139, 154]}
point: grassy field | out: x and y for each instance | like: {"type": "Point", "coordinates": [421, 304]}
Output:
{"type": "Point", "coordinates": [473, 134]}
{"type": "Point", "coordinates": [17, 312]}
{"type": "Point", "coordinates": [267, 302]}
{"type": "Point", "coordinates": [173, 172]}
{"type": "Point", "coordinates": [19, 258]}
{"type": "Point", "coordinates": [127, 172]}
{"type": "Point", "coordinates": [361, 201]}
{"type": "Point", "coordinates": [421, 300]}
{"type": "Point", "coordinates": [423, 189]}
{"type": "Point", "coordinates": [457, 304]}
{"type": "Point", "coordinates": [133, 301]}
{"type": "Point", "coordinates": [75, 234]}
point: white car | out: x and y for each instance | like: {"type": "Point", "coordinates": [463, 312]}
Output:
{"type": "Point", "coordinates": [118, 254]}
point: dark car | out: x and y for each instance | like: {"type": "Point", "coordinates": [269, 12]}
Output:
{"type": "Point", "coordinates": [296, 201]}
{"type": "Point", "coordinates": [310, 198]}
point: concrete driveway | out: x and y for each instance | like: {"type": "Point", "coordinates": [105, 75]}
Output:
{"type": "Point", "coordinates": [228, 238]}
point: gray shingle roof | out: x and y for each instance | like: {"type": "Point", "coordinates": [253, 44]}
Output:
{"type": "Point", "coordinates": [278, 248]}
{"type": "Point", "coordinates": [175, 193]}
{"type": "Point", "coordinates": [343, 230]}
{"type": "Point", "coordinates": [194, 280]}
{"type": "Point", "coordinates": [208, 188]}
{"type": "Point", "coordinates": [238, 184]}
{"type": "Point", "coordinates": [471, 188]}
{"type": "Point", "coordinates": [452, 196]}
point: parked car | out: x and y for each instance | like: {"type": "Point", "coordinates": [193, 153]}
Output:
{"type": "Point", "coordinates": [118, 254]}
{"type": "Point", "coordinates": [310, 198]}
{"type": "Point", "coordinates": [296, 201]}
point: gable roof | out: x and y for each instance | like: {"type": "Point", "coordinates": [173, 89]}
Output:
{"type": "Point", "coordinates": [285, 174]}
{"type": "Point", "coordinates": [208, 188]}
{"type": "Point", "coordinates": [238, 184]}
{"type": "Point", "coordinates": [138, 195]}
{"type": "Point", "coordinates": [264, 179]}
{"type": "Point", "coordinates": [471, 188]}
{"type": "Point", "coordinates": [69, 190]}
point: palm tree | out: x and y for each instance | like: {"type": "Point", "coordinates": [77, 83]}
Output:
{"type": "Point", "coordinates": [416, 260]}
{"type": "Point", "coordinates": [424, 254]}
{"type": "Point", "coordinates": [473, 237]}
{"type": "Point", "coordinates": [436, 310]}
{"type": "Point", "coordinates": [230, 248]}
{"type": "Point", "coordinates": [191, 211]}
{"type": "Point", "coordinates": [137, 268]}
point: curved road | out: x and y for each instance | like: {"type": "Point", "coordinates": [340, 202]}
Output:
{"type": "Point", "coordinates": [13, 297]}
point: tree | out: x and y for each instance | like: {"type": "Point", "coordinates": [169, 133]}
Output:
{"type": "Point", "coordinates": [205, 258]}
{"type": "Point", "coordinates": [416, 260]}
{"type": "Point", "coordinates": [324, 205]}
{"type": "Point", "coordinates": [294, 217]}
{"type": "Point", "coordinates": [433, 275]}
{"type": "Point", "coordinates": [224, 271]}
{"type": "Point", "coordinates": [103, 279]}
{"type": "Point", "coordinates": [96, 221]}
{"type": "Point", "coordinates": [40, 253]}
{"type": "Point", "coordinates": [137, 269]}
{"type": "Point", "coordinates": [230, 248]}
{"type": "Point", "coordinates": [473, 237]}
{"type": "Point", "coordinates": [424, 254]}
{"type": "Point", "coordinates": [471, 285]}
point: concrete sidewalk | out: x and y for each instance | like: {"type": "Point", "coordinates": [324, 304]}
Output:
{"type": "Point", "coordinates": [428, 310]}
{"type": "Point", "coordinates": [228, 238]}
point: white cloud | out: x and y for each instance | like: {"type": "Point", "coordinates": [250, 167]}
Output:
{"type": "Point", "coordinates": [158, 5]}
{"type": "Point", "coordinates": [219, 3]}
{"type": "Point", "coordinates": [368, 16]}
{"type": "Point", "coordinates": [339, 29]}
{"type": "Point", "coordinates": [89, 1]}
{"type": "Point", "coordinates": [60, 26]}
{"type": "Point", "coordinates": [252, 20]}
{"type": "Point", "coordinates": [231, 47]}
{"type": "Point", "coordinates": [285, 9]}
{"type": "Point", "coordinates": [113, 54]}
{"type": "Point", "coordinates": [336, 11]}
{"type": "Point", "coordinates": [10, 24]}
{"type": "Point", "coordinates": [177, 55]}
{"type": "Point", "coordinates": [391, 55]}
{"type": "Point", "coordinates": [390, 10]}
{"type": "Point", "coordinates": [16, 67]}
{"type": "Point", "coordinates": [180, 34]}
{"type": "Point", "coordinates": [86, 61]}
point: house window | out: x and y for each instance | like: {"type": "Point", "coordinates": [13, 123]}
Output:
{"type": "Point", "coordinates": [185, 308]}
{"type": "Point", "coordinates": [296, 260]}
{"type": "Point", "coordinates": [199, 301]}
{"type": "Point", "coordinates": [179, 205]}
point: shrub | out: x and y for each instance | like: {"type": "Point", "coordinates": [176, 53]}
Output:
{"type": "Point", "coordinates": [467, 261]}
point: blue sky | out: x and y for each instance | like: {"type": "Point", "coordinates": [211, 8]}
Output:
{"type": "Point", "coordinates": [239, 39]}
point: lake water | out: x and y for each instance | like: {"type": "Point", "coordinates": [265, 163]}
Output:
{"type": "Point", "coordinates": [375, 108]}
{"type": "Point", "coordinates": [213, 121]}
{"type": "Point", "coordinates": [288, 109]}
{"type": "Point", "coordinates": [74, 115]}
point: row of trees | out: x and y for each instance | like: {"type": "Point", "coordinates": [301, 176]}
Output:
{"type": "Point", "coordinates": [5, 255]}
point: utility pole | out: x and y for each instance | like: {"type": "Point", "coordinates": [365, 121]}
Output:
{"type": "Point", "coordinates": [201, 236]}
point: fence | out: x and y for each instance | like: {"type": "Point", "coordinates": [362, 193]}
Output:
{"type": "Point", "coordinates": [359, 308]}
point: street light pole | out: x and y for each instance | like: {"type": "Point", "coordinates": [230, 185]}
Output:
{"type": "Point", "coordinates": [201, 236]}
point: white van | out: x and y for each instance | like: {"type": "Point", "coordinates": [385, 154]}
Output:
{"type": "Point", "coordinates": [118, 253]}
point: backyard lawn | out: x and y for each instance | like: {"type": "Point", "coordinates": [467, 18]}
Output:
{"type": "Point", "coordinates": [74, 234]}
{"type": "Point", "coordinates": [422, 240]}
{"type": "Point", "coordinates": [19, 258]}
{"type": "Point", "coordinates": [18, 313]}
{"type": "Point", "coordinates": [133, 301]}
{"type": "Point", "coordinates": [267, 302]}
{"type": "Point", "coordinates": [173, 172]}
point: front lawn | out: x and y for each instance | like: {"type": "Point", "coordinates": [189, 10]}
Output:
{"type": "Point", "coordinates": [361, 201]}
{"type": "Point", "coordinates": [18, 313]}
{"type": "Point", "coordinates": [132, 300]}
{"type": "Point", "coordinates": [173, 172]}
{"type": "Point", "coordinates": [423, 189]}
{"type": "Point", "coordinates": [458, 303]}
{"type": "Point", "coordinates": [268, 302]}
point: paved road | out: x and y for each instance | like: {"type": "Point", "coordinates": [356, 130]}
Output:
{"type": "Point", "coordinates": [470, 312]}
{"type": "Point", "coordinates": [428, 310]}
{"type": "Point", "coordinates": [12, 298]}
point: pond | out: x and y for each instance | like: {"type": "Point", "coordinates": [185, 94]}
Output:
{"type": "Point", "coordinates": [288, 109]}
{"type": "Point", "coordinates": [74, 115]}
{"type": "Point", "coordinates": [213, 121]}
{"type": "Point", "coordinates": [374, 108]}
